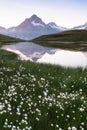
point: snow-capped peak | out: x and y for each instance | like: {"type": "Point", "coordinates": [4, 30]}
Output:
{"type": "Point", "coordinates": [84, 26]}
{"type": "Point", "coordinates": [54, 26]}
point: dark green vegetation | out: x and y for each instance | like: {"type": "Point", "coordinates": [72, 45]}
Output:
{"type": "Point", "coordinates": [8, 56]}
{"type": "Point", "coordinates": [73, 39]}
{"type": "Point", "coordinates": [41, 97]}
{"type": "Point", "coordinates": [7, 40]}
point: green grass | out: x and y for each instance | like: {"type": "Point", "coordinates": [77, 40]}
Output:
{"type": "Point", "coordinates": [5, 40]}
{"type": "Point", "coordinates": [73, 39]}
{"type": "Point", "coordinates": [41, 97]}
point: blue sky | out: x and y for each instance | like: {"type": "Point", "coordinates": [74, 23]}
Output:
{"type": "Point", "coordinates": [67, 13]}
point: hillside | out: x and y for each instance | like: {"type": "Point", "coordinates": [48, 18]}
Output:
{"type": "Point", "coordinates": [41, 97]}
{"type": "Point", "coordinates": [6, 40]}
{"type": "Point", "coordinates": [73, 39]}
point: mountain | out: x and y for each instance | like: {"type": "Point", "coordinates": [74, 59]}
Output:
{"type": "Point", "coordinates": [33, 27]}
{"type": "Point", "coordinates": [84, 26]}
{"type": "Point", "coordinates": [54, 26]}
{"type": "Point", "coordinates": [3, 30]}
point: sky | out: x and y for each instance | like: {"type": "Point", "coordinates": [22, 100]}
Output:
{"type": "Point", "coordinates": [66, 13]}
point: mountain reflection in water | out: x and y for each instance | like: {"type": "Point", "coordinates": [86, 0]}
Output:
{"type": "Point", "coordinates": [42, 54]}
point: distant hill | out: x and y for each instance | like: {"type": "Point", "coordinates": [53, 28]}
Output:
{"type": "Point", "coordinates": [68, 39]}
{"type": "Point", "coordinates": [83, 26]}
{"type": "Point", "coordinates": [68, 36]}
{"type": "Point", "coordinates": [7, 40]}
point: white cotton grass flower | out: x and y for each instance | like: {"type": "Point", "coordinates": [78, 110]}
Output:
{"type": "Point", "coordinates": [1, 106]}
{"type": "Point", "coordinates": [74, 128]}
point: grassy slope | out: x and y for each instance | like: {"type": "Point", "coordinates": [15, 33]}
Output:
{"type": "Point", "coordinates": [6, 40]}
{"type": "Point", "coordinates": [41, 97]}
{"type": "Point", "coordinates": [73, 39]}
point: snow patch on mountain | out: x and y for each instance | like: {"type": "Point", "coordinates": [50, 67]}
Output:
{"type": "Point", "coordinates": [84, 26]}
{"type": "Point", "coordinates": [80, 27]}
{"type": "Point", "coordinates": [54, 26]}
{"type": "Point", "coordinates": [37, 24]}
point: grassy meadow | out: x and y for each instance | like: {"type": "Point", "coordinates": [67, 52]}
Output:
{"type": "Point", "coordinates": [41, 97]}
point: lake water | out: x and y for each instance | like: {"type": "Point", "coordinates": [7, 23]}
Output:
{"type": "Point", "coordinates": [33, 52]}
